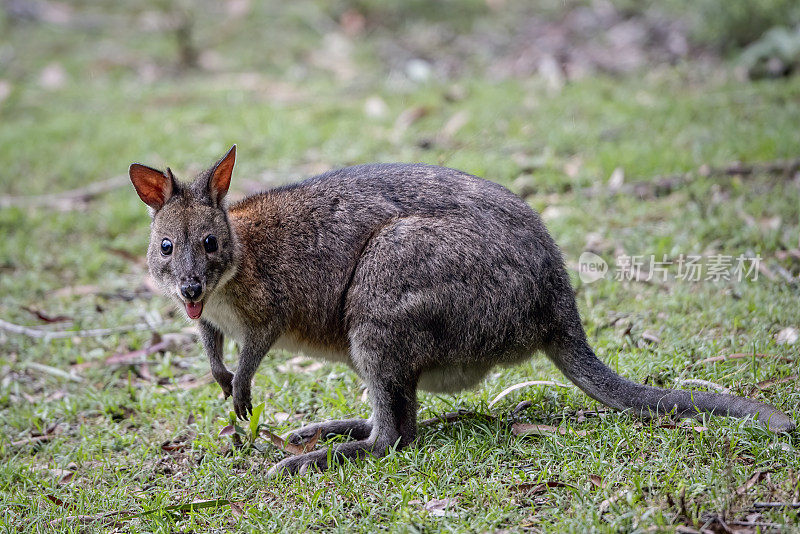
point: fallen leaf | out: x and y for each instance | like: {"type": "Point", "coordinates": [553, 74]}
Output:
{"type": "Point", "coordinates": [606, 504]}
{"type": "Point", "coordinates": [438, 507]}
{"type": "Point", "coordinates": [536, 488]}
{"type": "Point", "coordinates": [180, 443]}
{"type": "Point", "coordinates": [58, 501]}
{"type": "Point", "coordinates": [616, 179]}
{"type": "Point", "coordinates": [787, 336]}
{"type": "Point", "coordinates": [408, 117]}
{"type": "Point", "coordinates": [46, 317]}
{"type": "Point", "coordinates": [764, 384]}
{"type": "Point", "coordinates": [650, 337]}
{"type": "Point", "coordinates": [596, 481]}
{"type": "Point", "coordinates": [284, 445]}
{"type": "Point", "coordinates": [312, 443]}
{"type": "Point", "coordinates": [227, 431]}
{"type": "Point", "coordinates": [237, 509]}
{"type": "Point", "coordinates": [454, 124]}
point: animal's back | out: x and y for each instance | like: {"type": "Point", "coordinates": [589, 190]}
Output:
{"type": "Point", "coordinates": [453, 262]}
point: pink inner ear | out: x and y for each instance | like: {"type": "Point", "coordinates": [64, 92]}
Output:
{"type": "Point", "coordinates": [221, 179]}
{"type": "Point", "coordinates": [152, 186]}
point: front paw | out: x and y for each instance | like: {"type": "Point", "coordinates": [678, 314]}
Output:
{"type": "Point", "coordinates": [225, 381]}
{"type": "Point", "coordinates": [241, 400]}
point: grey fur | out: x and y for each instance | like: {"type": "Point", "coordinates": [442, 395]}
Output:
{"type": "Point", "coordinates": [416, 276]}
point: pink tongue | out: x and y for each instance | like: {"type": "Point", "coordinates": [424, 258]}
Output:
{"type": "Point", "coordinates": [194, 309]}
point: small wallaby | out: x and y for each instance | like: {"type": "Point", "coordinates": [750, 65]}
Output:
{"type": "Point", "coordinates": [416, 276]}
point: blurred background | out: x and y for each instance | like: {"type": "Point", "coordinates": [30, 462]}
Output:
{"type": "Point", "coordinates": [306, 85]}
{"type": "Point", "coordinates": [654, 128]}
{"type": "Point", "coordinates": [545, 97]}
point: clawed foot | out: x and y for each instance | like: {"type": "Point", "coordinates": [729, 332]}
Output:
{"type": "Point", "coordinates": [225, 381]}
{"type": "Point", "coordinates": [241, 400]}
{"type": "Point", "coordinates": [317, 460]}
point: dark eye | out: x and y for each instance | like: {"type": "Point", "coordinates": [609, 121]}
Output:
{"type": "Point", "coordinates": [210, 243]}
{"type": "Point", "coordinates": [166, 247]}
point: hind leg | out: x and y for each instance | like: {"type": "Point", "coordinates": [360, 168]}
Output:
{"type": "Point", "coordinates": [393, 396]}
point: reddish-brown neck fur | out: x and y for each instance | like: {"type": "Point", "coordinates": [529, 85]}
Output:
{"type": "Point", "coordinates": [287, 271]}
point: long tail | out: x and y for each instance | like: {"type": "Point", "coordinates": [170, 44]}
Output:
{"type": "Point", "coordinates": [579, 363]}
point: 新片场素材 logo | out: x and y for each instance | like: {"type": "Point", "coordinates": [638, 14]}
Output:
{"type": "Point", "coordinates": [591, 267]}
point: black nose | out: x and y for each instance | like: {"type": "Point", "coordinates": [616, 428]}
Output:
{"type": "Point", "coordinates": [191, 290]}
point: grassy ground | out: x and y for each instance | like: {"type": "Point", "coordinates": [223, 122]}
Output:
{"type": "Point", "coordinates": [83, 103]}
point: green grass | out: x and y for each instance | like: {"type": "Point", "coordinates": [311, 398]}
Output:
{"type": "Point", "coordinates": [292, 119]}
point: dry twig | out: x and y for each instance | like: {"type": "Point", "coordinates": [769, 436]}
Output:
{"type": "Point", "coordinates": [41, 333]}
{"type": "Point", "coordinates": [66, 198]}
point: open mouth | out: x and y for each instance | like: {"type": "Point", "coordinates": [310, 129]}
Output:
{"type": "Point", "coordinates": [194, 309]}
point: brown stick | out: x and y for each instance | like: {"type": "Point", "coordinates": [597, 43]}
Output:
{"type": "Point", "coordinates": [664, 185]}
{"type": "Point", "coordinates": [763, 505]}
{"type": "Point", "coordinates": [58, 200]}
{"type": "Point", "coordinates": [450, 417]}
{"type": "Point", "coordinates": [40, 333]}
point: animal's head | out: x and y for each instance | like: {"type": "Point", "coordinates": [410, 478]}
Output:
{"type": "Point", "coordinates": [192, 249]}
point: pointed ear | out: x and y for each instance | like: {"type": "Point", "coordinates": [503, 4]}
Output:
{"type": "Point", "coordinates": [220, 178]}
{"type": "Point", "coordinates": [153, 186]}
